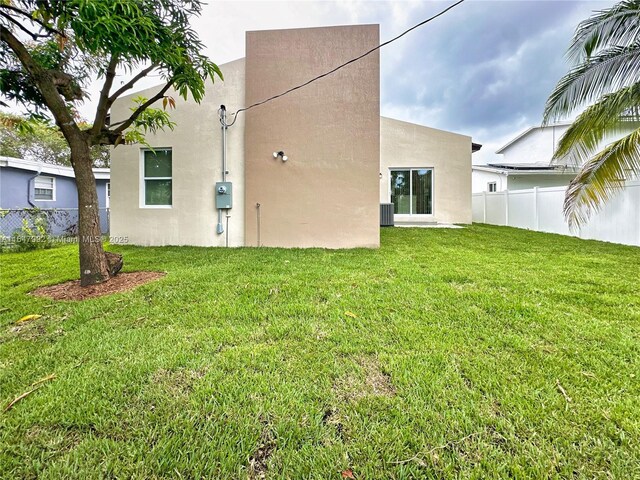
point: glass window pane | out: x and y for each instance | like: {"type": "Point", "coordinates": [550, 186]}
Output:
{"type": "Point", "coordinates": [400, 191]}
{"type": "Point", "coordinates": [422, 191]}
{"type": "Point", "coordinates": [157, 192]}
{"type": "Point", "coordinates": [44, 182]}
{"type": "Point", "coordinates": [157, 164]}
{"type": "Point", "coordinates": [43, 194]}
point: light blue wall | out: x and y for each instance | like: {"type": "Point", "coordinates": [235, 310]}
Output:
{"type": "Point", "coordinates": [16, 189]}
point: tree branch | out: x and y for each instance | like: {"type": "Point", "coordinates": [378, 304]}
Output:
{"type": "Point", "coordinates": [130, 83]}
{"type": "Point", "coordinates": [32, 19]}
{"type": "Point", "coordinates": [103, 104]}
{"type": "Point", "coordinates": [35, 36]}
{"type": "Point", "coordinates": [127, 123]}
{"type": "Point", "coordinates": [45, 83]}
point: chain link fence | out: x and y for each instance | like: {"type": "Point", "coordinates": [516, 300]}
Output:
{"type": "Point", "coordinates": [42, 225]}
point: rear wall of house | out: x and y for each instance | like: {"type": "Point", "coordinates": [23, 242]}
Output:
{"type": "Point", "coordinates": [326, 194]}
{"type": "Point", "coordinates": [196, 145]}
{"type": "Point", "coordinates": [407, 145]}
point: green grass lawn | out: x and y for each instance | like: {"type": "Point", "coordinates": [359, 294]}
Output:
{"type": "Point", "coordinates": [481, 352]}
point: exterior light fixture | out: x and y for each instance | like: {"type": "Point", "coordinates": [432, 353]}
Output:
{"type": "Point", "coordinates": [281, 155]}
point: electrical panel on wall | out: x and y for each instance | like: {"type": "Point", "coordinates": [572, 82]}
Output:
{"type": "Point", "coordinates": [224, 195]}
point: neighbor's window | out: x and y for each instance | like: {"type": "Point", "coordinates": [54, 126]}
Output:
{"type": "Point", "coordinates": [44, 188]}
{"type": "Point", "coordinates": [156, 167]}
{"type": "Point", "coordinates": [491, 187]}
{"type": "Point", "coordinates": [412, 191]}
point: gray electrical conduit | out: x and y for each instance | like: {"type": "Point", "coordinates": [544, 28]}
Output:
{"type": "Point", "coordinates": [223, 121]}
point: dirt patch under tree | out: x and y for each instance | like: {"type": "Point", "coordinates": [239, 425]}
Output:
{"type": "Point", "coordinates": [123, 282]}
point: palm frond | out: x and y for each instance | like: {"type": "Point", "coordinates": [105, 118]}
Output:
{"type": "Point", "coordinates": [601, 178]}
{"type": "Point", "coordinates": [606, 72]}
{"type": "Point", "coordinates": [613, 115]}
{"type": "Point", "coordinates": [615, 26]}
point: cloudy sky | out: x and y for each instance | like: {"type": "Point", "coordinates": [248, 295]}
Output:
{"type": "Point", "coordinates": [483, 69]}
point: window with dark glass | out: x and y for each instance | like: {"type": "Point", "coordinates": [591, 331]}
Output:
{"type": "Point", "coordinates": [157, 165]}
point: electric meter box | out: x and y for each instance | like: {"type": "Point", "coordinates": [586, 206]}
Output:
{"type": "Point", "coordinates": [224, 195]}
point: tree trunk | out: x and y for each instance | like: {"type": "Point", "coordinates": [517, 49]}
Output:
{"type": "Point", "coordinates": [94, 267]}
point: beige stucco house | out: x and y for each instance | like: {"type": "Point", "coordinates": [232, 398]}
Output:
{"type": "Point", "coordinates": [309, 169]}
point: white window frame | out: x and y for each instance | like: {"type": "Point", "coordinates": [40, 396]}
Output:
{"type": "Point", "coordinates": [433, 190]}
{"type": "Point", "coordinates": [143, 178]}
{"type": "Point", "coordinates": [53, 189]}
{"type": "Point", "coordinates": [107, 194]}
{"type": "Point", "coordinates": [495, 187]}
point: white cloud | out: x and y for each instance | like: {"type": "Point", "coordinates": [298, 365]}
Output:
{"type": "Point", "coordinates": [484, 69]}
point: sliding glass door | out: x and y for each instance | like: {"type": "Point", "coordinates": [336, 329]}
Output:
{"type": "Point", "coordinates": [421, 191]}
{"type": "Point", "coordinates": [412, 191]}
{"type": "Point", "coordinates": [401, 191]}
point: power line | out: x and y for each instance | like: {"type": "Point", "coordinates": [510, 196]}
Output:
{"type": "Point", "coordinates": [235, 115]}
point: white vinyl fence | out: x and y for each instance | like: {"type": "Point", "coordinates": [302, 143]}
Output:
{"type": "Point", "coordinates": [541, 209]}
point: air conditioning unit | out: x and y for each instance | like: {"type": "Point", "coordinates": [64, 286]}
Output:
{"type": "Point", "coordinates": [386, 215]}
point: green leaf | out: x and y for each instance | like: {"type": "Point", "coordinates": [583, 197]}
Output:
{"type": "Point", "coordinates": [601, 178]}
{"type": "Point", "coordinates": [606, 76]}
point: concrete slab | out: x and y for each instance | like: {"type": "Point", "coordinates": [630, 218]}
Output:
{"type": "Point", "coordinates": [427, 225]}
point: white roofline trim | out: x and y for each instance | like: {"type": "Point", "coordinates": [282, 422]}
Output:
{"type": "Point", "coordinates": [40, 167]}
{"type": "Point", "coordinates": [488, 169]}
{"type": "Point", "coordinates": [508, 172]}
{"type": "Point", "coordinates": [526, 132]}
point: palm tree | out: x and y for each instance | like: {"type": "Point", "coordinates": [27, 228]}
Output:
{"type": "Point", "coordinates": [605, 51]}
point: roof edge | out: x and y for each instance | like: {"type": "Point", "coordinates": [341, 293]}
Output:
{"type": "Point", "coordinates": [426, 126]}
{"type": "Point", "coordinates": [42, 167]}
{"type": "Point", "coordinates": [527, 132]}
{"type": "Point", "coordinates": [511, 172]}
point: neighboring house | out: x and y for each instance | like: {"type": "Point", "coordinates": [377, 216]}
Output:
{"type": "Point", "coordinates": [525, 190]}
{"type": "Point", "coordinates": [26, 184]}
{"type": "Point", "coordinates": [339, 159]}
{"type": "Point", "coordinates": [526, 162]}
